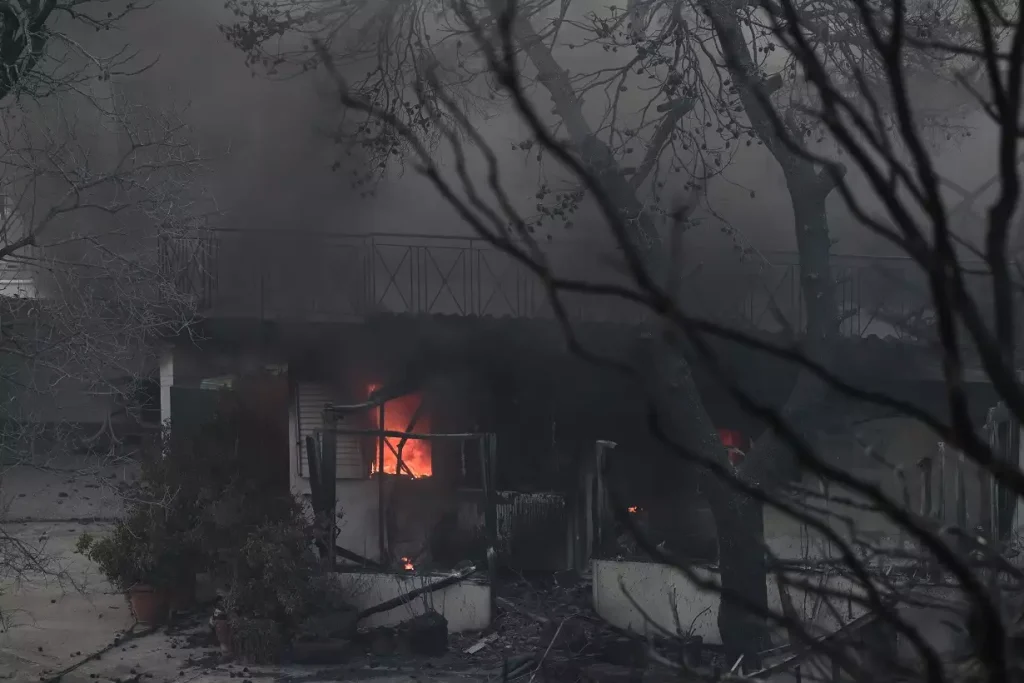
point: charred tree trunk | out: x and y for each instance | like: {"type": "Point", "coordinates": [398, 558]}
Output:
{"type": "Point", "coordinates": [738, 518]}
{"type": "Point", "coordinates": [743, 570]}
{"type": "Point", "coordinates": [770, 462]}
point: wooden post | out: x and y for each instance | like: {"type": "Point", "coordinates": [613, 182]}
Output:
{"type": "Point", "coordinates": [927, 509]}
{"type": "Point", "coordinates": [1005, 499]}
{"type": "Point", "coordinates": [316, 490]}
{"type": "Point", "coordinates": [942, 484]}
{"type": "Point", "coordinates": [599, 500]}
{"type": "Point", "coordinates": [961, 499]}
{"type": "Point", "coordinates": [901, 476]}
{"type": "Point", "coordinates": [489, 480]}
{"type": "Point", "coordinates": [585, 515]}
{"type": "Point", "coordinates": [399, 463]}
{"type": "Point", "coordinates": [925, 466]}
{"type": "Point", "coordinates": [328, 481]}
{"type": "Point", "coordinates": [826, 493]}
{"type": "Point", "coordinates": [382, 543]}
{"type": "Point", "coordinates": [316, 493]}
{"type": "Point", "coordinates": [1018, 458]}
{"type": "Point", "coordinates": [986, 482]}
{"type": "Point", "coordinates": [601, 507]}
{"type": "Point", "coordinates": [985, 502]}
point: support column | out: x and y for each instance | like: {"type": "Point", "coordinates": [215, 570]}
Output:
{"type": "Point", "coordinates": [602, 504]}
{"type": "Point", "coordinates": [166, 382]}
{"type": "Point", "coordinates": [1018, 518]}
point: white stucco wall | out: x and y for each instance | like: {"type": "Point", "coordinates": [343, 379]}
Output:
{"type": "Point", "coordinates": [466, 605]}
{"type": "Point", "coordinates": [638, 596]}
{"type": "Point", "coordinates": [18, 286]}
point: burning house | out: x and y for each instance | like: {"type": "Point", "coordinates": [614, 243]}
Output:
{"type": "Point", "coordinates": [483, 400]}
{"type": "Point", "coordinates": [434, 382]}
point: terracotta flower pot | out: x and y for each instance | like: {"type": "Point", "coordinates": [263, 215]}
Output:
{"type": "Point", "coordinates": [222, 627]}
{"type": "Point", "coordinates": [149, 604]}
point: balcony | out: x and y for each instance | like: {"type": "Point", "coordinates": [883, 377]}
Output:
{"type": "Point", "coordinates": [296, 276]}
{"type": "Point", "coordinates": [302, 276]}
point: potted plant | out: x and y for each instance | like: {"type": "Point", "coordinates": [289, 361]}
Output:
{"type": "Point", "coordinates": [222, 629]}
{"type": "Point", "coordinates": [144, 559]}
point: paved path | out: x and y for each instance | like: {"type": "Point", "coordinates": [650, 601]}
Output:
{"type": "Point", "coordinates": [52, 626]}
{"type": "Point", "coordinates": [62, 489]}
{"type": "Point", "coordinates": [48, 621]}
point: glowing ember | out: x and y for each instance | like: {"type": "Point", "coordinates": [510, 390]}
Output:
{"type": "Point", "coordinates": [633, 509]}
{"type": "Point", "coordinates": [406, 564]}
{"type": "Point", "coordinates": [416, 456]}
{"type": "Point", "coordinates": [735, 445]}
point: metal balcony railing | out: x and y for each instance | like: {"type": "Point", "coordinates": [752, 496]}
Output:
{"type": "Point", "coordinates": [286, 275]}
{"type": "Point", "coordinates": [302, 276]}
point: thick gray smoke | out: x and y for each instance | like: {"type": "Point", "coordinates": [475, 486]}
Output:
{"type": "Point", "coordinates": [270, 159]}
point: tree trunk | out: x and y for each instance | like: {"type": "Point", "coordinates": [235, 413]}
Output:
{"type": "Point", "coordinates": [738, 518]}
{"type": "Point", "coordinates": [743, 571]}
{"type": "Point", "coordinates": [738, 526]}
{"type": "Point", "coordinates": [769, 462]}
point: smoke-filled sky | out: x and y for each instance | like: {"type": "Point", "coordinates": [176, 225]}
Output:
{"type": "Point", "coordinates": [269, 162]}
{"type": "Point", "coordinates": [269, 159]}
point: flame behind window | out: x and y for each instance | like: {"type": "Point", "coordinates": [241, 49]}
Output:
{"type": "Point", "coordinates": [416, 454]}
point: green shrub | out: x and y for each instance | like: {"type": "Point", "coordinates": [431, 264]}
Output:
{"type": "Point", "coordinates": [257, 641]}
{"type": "Point", "coordinates": [141, 549]}
{"type": "Point", "coordinates": [214, 500]}
{"type": "Point", "coordinates": [270, 573]}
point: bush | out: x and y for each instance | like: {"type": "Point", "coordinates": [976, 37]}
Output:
{"type": "Point", "coordinates": [142, 549]}
{"type": "Point", "coordinates": [215, 500]}
{"type": "Point", "coordinates": [270, 573]}
{"type": "Point", "coordinates": [230, 474]}
{"type": "Point", "coordinates": [258, 641]}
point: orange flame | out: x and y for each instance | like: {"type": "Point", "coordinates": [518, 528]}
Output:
{"type": "Point", "coordinates": [407, 564]}
{"type": "Point", "coordinates": [633, 509]}
{"type": "Point", "coordinates": [416, 454]}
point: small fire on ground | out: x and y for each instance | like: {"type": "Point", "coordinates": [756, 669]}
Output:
{"type": "Point", "coordinates": [407, 564]}
{"type": "Point", "coordinates": [633, 509]}
{"type": "Point", "coordinates": [417, 460]}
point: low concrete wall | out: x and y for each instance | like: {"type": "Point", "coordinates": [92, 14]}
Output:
{"type": "Point", "coordinates": [466, 605]}
{"type": "Point", "coordinates": [630, 595]}
{"type": "Point", "coordinates": [357, 505]}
